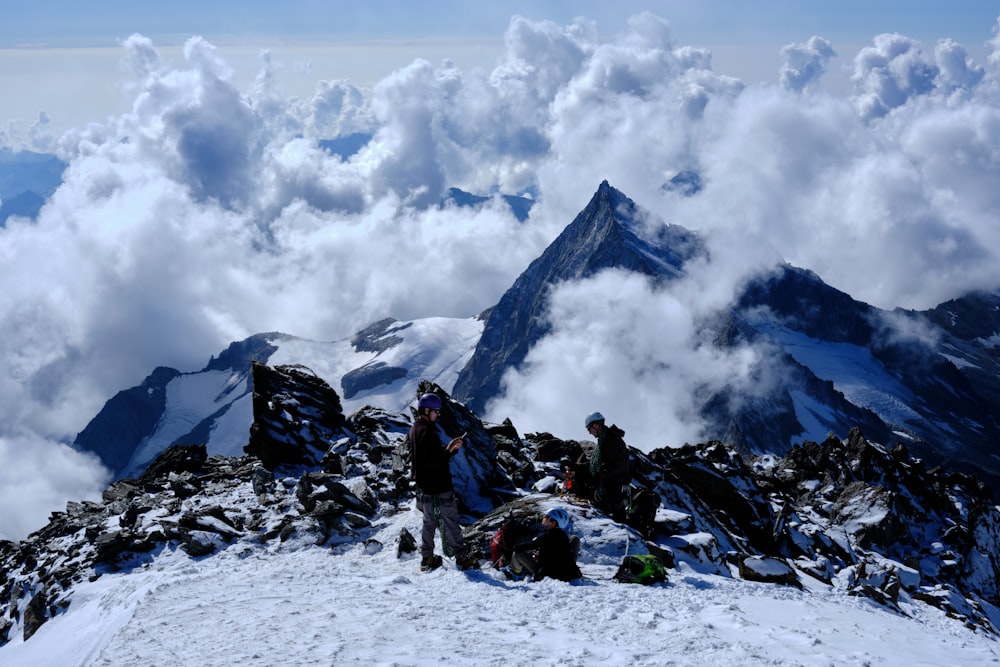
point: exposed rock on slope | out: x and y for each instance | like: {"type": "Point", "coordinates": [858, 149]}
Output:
{"type": "Point", "coordinates": [938, 390]}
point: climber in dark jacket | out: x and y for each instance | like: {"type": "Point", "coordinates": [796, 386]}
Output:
{"type": "Point", "coordinates": [551, 554]}
{"type": "Point", "coordinates": [609, 466]}
{"type": "Point", "coordinates": [431, 460]}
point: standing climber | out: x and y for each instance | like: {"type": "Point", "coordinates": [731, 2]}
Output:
{"type": "Point", "coordinates": [431, 460]}
{"type": "Point", "coordinates": [609, 466]}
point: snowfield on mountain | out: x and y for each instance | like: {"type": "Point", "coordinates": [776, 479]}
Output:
{"type": "Point", "coordinates": [299, 604]}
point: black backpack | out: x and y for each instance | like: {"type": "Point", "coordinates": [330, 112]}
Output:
{"type": "Point", "coordinates": [641, 512]}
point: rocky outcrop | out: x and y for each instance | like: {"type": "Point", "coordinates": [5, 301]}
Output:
{"type": "Point", "coordinates": [883, 522]}
{"type": "Point", "coordinates": [296, 417]}
{"type": "Point", "coordinates": [377, 337]}
{"type": "Point", "coordinates": [369, 376]}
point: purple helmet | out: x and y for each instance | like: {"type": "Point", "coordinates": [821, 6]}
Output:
{"type": "Point", "coordinates": [432, 401]}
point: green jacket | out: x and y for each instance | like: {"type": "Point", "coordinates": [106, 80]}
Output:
{"type": "Point", "coordinates": [610, 462]}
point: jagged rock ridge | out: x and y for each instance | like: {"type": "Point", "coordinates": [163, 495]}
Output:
{"type": "Point", "coordinates": [605, 234]}
{"type": "Point", "coordinates": [942, 400]}
{"type": "Point", "coordinates": [850, 514]}
{"type": "Point", "coordinates": [949, 389]}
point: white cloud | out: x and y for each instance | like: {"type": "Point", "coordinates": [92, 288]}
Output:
{"type": "Point", "coordinates": [37, 477]}
{"type": "Point", "coordinates": [890, 72]}
{"type": "Point", "coordinates": [899, 327]}
{"type": "Point", "coordinates": [338, 109]}
{"type": "Point", "coordinates": [956, 67]}
{"type": "Point", "coordinates": [805, 63]}
{"type": "Point", "coordinates": [631, 350]}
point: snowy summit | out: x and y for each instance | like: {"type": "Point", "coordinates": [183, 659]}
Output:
{"type": "Point", "coordinates": [303, 554]}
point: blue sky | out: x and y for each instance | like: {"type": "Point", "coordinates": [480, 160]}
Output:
{"type": "Point", "coordinates": [69, 23]}
{"type": "Point", "coordinates": [52, 52]}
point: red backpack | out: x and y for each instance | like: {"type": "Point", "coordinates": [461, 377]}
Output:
{"type": "Point", "coordinates": [507, 536]}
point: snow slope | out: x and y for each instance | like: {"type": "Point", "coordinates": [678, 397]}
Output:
{"type": "Point", "coordinates": [433, 349]}
{"type": "Point", "coordinates": [191, 398]}
{"type": "Point", "coordinates": [853, 371]}
{"type": "Point", "coordinates": [298, 604]}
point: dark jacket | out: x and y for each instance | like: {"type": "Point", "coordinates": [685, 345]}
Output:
{"type": "Point", "coordinates": [609, 464]}
{"type": "Point", "coordinates": [553, 554]}
{"type": "Point", "coordinates": [429, 458]}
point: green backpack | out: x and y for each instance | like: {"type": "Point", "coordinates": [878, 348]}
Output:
{"type": "Point", "coordinates": [642, 569]}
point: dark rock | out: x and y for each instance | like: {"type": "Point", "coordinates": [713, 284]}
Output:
{"type": "Point", "coordinates": [407, 544]}
{"type": "Point", "coordinates": [108, 546]}
{"type": "Point", "coordinates": [768, 570]}
{"type": "Point", "coordinates": [239, 356]}
{"type": "Point", "coordinates": [355, 520]}
{"type": "Point", "coordinates": [35, 614]}
{"type": "Point", "coordinates": [296, 415]}
{"type": "Point", "coordinates": [549, 448]}
{"type": "Point", "coordinates": [664, 553]}
{"type": "Point", "coordinates": [197, 545]}
{"type": "Point", "coordinates": [262, 480]}
{"type": "Point", "coordinates": [378, 337]}
{"type": "Point", "coordinates": [211, 519]}
{"type": "Point", "coordinates": [321, 494]}
{"type": "Point", "coordinates": [179, 459]}
{"type": "Point", "coordinates": [370, 376]}
{"type": "Point", "coordinates": [287, 530]}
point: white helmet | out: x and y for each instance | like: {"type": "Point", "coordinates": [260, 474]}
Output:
{"type": "Point", "coordinates": [560, 516]}
{"type": "Point", "coordinates": [593, 417]}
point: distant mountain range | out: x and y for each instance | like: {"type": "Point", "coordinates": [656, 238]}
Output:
{"type": "Point", "coordinates": [347, 146]}
{"type": "Point", "coordinates": [841, 367]}
{"type": "Point", "coordinates": [26, 181]}
{"type": "Point", "coordinates": [848, 475]}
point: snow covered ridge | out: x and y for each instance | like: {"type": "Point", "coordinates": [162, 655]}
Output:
{"type": "Point", "coordinates": [844, 515]}
{"type": "Point", "coordinates": [380, 365]}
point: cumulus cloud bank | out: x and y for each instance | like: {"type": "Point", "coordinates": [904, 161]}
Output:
{"type": "Point", "coordinates": [209, 213]}
{"type": "Point", "coordinates": [634, 351]}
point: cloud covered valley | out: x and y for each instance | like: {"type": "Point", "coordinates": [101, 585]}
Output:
{"type": "Point", "coordinates": [209, 213]}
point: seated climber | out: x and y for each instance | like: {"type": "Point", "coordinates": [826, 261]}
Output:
{"type": "Point", "coordinates": [550, 554]}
